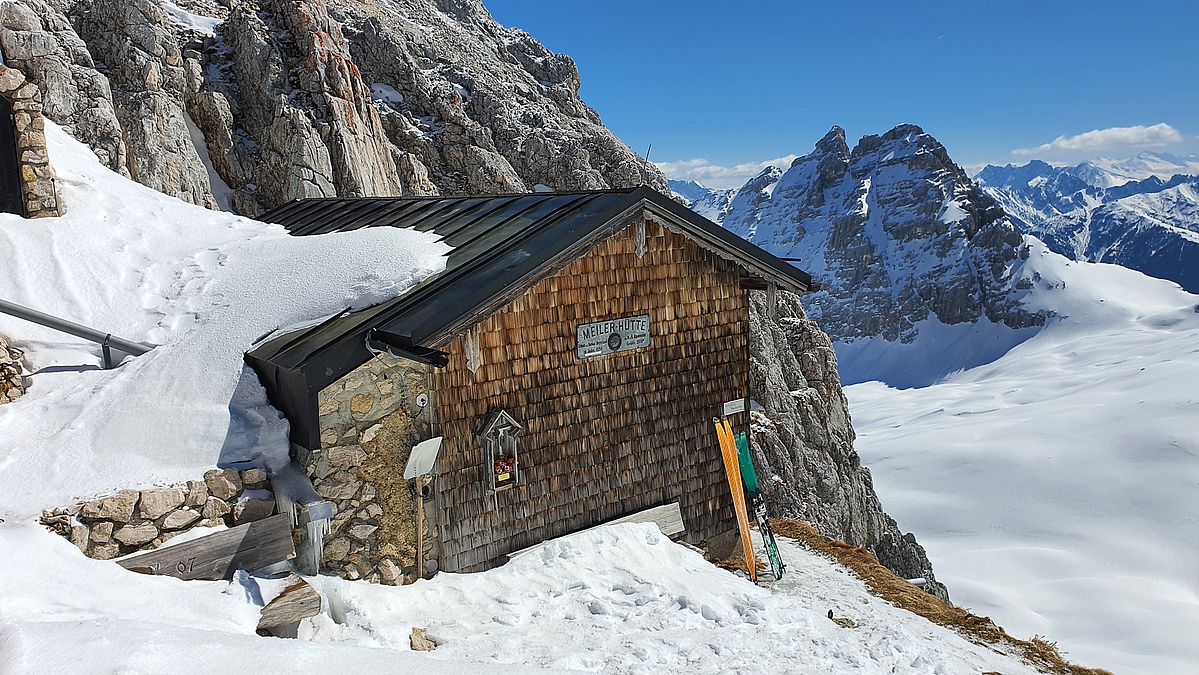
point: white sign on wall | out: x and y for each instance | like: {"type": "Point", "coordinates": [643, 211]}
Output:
{"type": "Point", "coordinates": [612, 336]}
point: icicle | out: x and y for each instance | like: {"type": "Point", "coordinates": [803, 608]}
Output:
{"type": "Point", "coordinates": [474, 354]}
{"type": "Point", "coordinates": [640, 238]}
{"type": "Point", "coordinates": [317, 529]}
{"type": "Point", "coordinates": [286, 505]}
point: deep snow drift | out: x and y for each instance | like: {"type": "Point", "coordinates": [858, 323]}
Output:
{"type": "Point", "coordinates": [201, 284]}
{"type": "Point", "coordinates": [1056, 489]}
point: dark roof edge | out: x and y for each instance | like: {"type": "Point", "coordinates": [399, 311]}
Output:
{"type": "Point", "coordinates": [728, 245]}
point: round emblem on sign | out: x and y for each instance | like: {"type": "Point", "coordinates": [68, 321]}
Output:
{"type": "Point", "coordinates": [614, 341]}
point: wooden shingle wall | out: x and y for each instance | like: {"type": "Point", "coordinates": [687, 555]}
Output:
{"type": "Point", "coordinates": [603, 436]}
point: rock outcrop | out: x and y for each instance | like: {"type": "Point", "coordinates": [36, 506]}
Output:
{"type": "Point", "coordinates": [802, 440]}
{"type": "Point", "coordinates": [245, 105]}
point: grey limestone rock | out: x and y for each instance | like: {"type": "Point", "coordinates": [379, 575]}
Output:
{"type": "Point", "coordinates": [155, 503]}
{"type": "Point", "coordinates": [802, 440]}
{"type": "Point", "coordinates": [306, 98]}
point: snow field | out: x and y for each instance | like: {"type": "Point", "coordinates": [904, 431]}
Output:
{"type": "Point", "coordinates": [1056, 489]}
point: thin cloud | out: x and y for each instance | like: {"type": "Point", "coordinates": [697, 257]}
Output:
{"type": "Point", "coordinates": [717, 175]}
{"type": "Point", "coordinates": [1155, 135]}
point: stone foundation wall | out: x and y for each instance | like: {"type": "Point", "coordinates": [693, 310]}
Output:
{"type": "Point", "coordinates": [38, 188]}
{"type": "Point", "coordinates": [12, 381]}
{"type": "Point", "coordinates": [132, 520]}
{"type": "Point", "coordinates": [370, 419]}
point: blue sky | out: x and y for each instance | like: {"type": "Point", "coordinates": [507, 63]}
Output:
{"type": "Point", "coordinates": [714, 85]}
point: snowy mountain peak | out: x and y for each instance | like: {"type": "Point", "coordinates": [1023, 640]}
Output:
{"type": "Point", "coordinates": [833, 142]}
{"type": "Point", "coordinates": [900, 237]}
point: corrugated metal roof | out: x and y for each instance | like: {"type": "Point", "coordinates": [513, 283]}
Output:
{"type": "Point", "coordinates": [501, 245]}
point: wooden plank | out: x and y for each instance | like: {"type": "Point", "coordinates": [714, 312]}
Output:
{"type": "Point", "coordinates": [217, 556]}
{"type": "Point", "coordinates": [668, 518]}
{"type": "Point", "coordinates": [296, 601]}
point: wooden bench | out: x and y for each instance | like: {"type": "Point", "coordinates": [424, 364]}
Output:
{"type": "Point", "coordinates": [668, 518]}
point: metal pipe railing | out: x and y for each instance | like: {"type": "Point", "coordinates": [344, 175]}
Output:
{"type": "Point", "coordinates": [105, 340]}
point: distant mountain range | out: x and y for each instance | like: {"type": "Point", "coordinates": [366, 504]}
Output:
{"type": "Point", "coordinates": [1127, 212]}
{"type": "Point", "coordinates": [711, 203]}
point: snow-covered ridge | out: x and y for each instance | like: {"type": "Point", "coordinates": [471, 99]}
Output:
{"type": "Point", "coordinates": [204, 285]}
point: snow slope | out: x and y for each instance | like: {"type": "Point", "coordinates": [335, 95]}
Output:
{"type": "Point", "coordinates": [624, 598]}
{"type": "Point", "coordinates": [1057, 488]}
{"type": "Point", "coordinates": [204, 286]}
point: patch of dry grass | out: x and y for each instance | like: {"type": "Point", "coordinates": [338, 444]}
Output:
{"type": "Point", "coordinates": [1037, 652]}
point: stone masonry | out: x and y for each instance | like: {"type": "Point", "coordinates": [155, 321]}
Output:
{"type": "Point", "coordinates": [132, 520]}
{"type": "Point", "coordinates": [38, 187]}
{"type": "Point", "coordinates": [12, 383]}
{"type": "Point", "coordinates": [370, 419]}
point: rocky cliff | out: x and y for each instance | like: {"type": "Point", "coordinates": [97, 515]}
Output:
{"type": "Point", "coordinates": [802, 440]}
{"type": "Point", "coordinates": [247, 104]}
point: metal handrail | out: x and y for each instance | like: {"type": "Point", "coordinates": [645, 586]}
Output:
{"type": "Point", "coordinates": [105, 340]}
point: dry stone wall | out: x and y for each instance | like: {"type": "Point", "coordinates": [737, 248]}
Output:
{"type": "Point", "coordinates": [38, 189]}
{"type": "Point", "coordinates": [370, 419]}
{"type": "Point", "coordinates": [139, 520]}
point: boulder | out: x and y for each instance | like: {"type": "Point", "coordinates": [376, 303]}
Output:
{"type": "Point", "coordinates": [104, 551]}
{"type": "Point", "coordinates": [197, 493]}
{"type": "Point", "coordinates": [215, 508]}
{"type": "Point", "coordinates": [253, 479]}
{"type": "Point", "coordinates": [101, 533]}
{"type": "Point", "coordinates": [420, 641]}
{"type": "Point", "coordinates": [390, 572]}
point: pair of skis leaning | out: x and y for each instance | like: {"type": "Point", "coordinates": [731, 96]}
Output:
{"type": "Point", "coordinates": [743, 482]}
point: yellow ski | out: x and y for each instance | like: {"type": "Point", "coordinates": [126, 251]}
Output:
{"type": "Point", "coordinates": [732, 468]}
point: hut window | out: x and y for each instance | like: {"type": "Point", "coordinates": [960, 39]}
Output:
{"type": "Point", "coordinates": [501, 461]}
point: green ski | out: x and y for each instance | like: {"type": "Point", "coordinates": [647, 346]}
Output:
{"type": "Point", "coordinates": [750, 478]}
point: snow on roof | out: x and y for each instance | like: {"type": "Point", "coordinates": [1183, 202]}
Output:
{"type": "Point", "coordinates": [204, 285]}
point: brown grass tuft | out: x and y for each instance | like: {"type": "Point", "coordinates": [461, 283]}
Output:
{"type": "Point", "coordinates": [1037, 652]}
